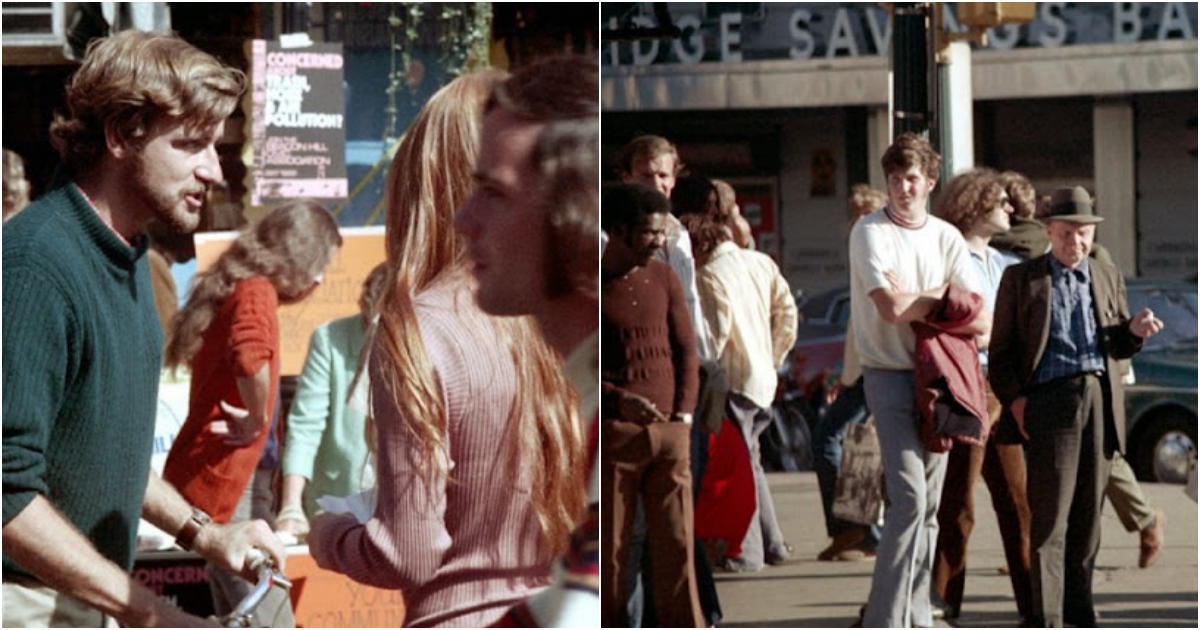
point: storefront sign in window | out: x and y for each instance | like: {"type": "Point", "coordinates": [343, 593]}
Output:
{"type": "Point", "coordinates": [298, 123]}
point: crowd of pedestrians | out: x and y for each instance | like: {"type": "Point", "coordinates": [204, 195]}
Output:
{"type": "Point", "coordinates": [942, 350]}
{"type": "Point", "coordinates": [498, 387]}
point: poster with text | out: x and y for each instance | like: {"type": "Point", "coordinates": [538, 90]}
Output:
{"type": "Point", "coordinates": [298, 123]}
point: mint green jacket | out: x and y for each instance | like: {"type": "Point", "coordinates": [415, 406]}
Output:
{"type": "Point", "coordinates": [325, 440]}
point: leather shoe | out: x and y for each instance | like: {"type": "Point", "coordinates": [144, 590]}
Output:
{"type": "Point", "coordinates": [1152, 541]}
{"type": "Point", "coordinates": [731, 565]}
{"type": "Point", "coordinates": [854, 555]}
{"type": "Point", "coordinates": [850, 540]}
{"type": "Point", "coordinates": [862, 612]}
{"type": "Point", "coordinates": [941, 609]}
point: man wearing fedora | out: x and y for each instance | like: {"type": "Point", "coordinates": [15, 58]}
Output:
{"type": "Point", "coordinates": [1060, 327]}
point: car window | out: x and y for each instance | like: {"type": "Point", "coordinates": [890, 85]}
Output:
{"type": "Point", "coordinates": [1176, 308]}
{"type": "Point", "coordinates": [824, 306]}
{"type": "Point", "coordinates": [841, 312]}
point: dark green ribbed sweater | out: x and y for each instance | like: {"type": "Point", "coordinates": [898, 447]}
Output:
{"type": "Point", "coordinates": [82, 353]}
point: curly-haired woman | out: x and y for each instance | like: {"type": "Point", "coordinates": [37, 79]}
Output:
{"type": "Point", "coordinates": [228, 333]}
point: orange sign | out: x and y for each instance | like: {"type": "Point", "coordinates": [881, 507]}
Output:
{"type": "Point", "coordinates": [325, 599]}
{"type": "Point", "coordinates": [320, 598]}
{"type": "Point", "coordinates": [362, 249]}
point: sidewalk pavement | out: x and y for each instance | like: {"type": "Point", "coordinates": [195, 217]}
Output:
{"type": "Point", "coordinates": [805, 593]}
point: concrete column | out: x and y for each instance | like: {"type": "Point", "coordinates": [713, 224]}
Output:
{"type": "Point", "coordinates": [879, 137]}
{"type": "Point", "coordinates": [1114, 152]}
{"type": "Point", "coordinates": [956, 117]}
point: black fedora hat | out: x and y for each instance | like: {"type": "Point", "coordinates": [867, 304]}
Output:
{"type": "Point", "coordinates": [1072, 204]}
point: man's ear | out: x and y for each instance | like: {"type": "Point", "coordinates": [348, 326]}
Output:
{"type": "Point", "coordinates": [117, 146]}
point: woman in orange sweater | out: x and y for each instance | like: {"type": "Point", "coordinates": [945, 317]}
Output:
{"type": "Point", "coordinates": [228, 333]}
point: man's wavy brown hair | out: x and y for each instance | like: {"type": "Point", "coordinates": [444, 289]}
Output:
{"type": "Point", "coordinates": [1021, 193]}
{"type": "Point", "coordinates": [563, 93]}
{"type": "Point", "coordinates": [133, 80]}
{"type": "Point", "coordinates": [910, 150]}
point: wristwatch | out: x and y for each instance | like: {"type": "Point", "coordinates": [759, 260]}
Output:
{"type": "Point", "coordinates": [191, 527]}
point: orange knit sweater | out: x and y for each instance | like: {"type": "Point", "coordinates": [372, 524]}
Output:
{"type": "Point", "coordinates": [245, 334]}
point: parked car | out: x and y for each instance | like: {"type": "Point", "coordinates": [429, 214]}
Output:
{"type": "Point", "coordinates": [1160, 407]}
{"type": "Point", "coordinates": [815, 363]}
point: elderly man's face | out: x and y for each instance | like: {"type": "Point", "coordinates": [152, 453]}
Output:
{"type": "Point", "coordinates": [1070, 242]}
{"type": "Point", "coordinates": [503, 225]}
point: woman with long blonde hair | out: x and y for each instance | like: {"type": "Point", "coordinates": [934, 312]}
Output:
{"type": "Point", "coordinates": [479, 455]}
{"type": "Point", "coordinates": [228, 334]}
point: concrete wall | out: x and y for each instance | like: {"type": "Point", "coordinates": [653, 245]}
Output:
{"type": "Point", "coordinates": [1166, 185]}
{"type": "Point", "coordinates": [813, 227]}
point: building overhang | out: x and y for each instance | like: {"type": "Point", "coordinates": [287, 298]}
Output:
{"type": "Point", "coordinates": [1093, 70]}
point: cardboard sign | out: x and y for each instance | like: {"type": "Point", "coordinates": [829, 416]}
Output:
{"type": "Point", "coordinates": [362, 249]}
{"type": "Point", "coordinates": [325, 599]}
{"type": "Point", "coordinates": [320, 598]}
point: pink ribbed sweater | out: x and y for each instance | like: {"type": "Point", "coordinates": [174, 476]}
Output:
{"type": "Point", "coordinates": [465, 549]}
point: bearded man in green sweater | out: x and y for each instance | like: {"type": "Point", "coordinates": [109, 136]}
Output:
{"type": "Point", "coordinates": [84, 345]}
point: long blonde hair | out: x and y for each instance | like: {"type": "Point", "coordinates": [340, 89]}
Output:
{"type": "Point", "coordinates": [430, 178]}
{"type": "Point", "coordinates": [290, 246]}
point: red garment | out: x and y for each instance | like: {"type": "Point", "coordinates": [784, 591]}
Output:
{"type": "Point", "coordinates": [244, 334]}
{"type": "Point", "coordinates": [950, 395]}
{"type": "Point", "coordinates": [727, 498]}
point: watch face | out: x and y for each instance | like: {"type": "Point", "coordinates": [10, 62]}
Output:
{"type": "Point", "coordinates": [201, 517]}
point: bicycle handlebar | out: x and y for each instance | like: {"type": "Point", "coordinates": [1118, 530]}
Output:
{"type": "Point", "coordinates": [262, 566]}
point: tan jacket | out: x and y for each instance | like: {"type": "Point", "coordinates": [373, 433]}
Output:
{"type": "Point", "coordinates": [752, 319]}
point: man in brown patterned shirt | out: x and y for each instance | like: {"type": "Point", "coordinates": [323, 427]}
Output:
{"type": "Point", "coordinates": [649, 381]}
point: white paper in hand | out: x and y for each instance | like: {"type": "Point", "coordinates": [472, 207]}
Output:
{"type": "Point", "coordinates": [361, 506]}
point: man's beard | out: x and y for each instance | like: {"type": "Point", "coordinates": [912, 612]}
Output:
{"type": "Point", "coordinates": [169, 209]}
{"type": "Point", "coordinates": [182, 222]}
